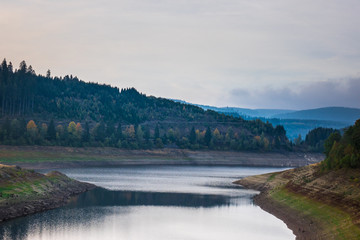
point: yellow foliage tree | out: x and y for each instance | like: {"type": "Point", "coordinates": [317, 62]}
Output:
{"type": "Point", "coordinates": [72, 128]}
{"type": "Point", "coordinates": [31, 128]}
{"type": "Point", "coordinates": [31, 125]}
{"type": "Point", "coordinates": [78, 130]}
{"type": "Point", "coordinates": [216, 134]}
{"type": "Point", "coordinates": [130, 131]}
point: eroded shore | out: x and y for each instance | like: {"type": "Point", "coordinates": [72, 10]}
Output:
{"type": "Point", "coordinates": [41, 157]}
{"type": "Point", "coordinates": [24, 192]}
{"type": "Point", "coordinates": [313, 204]}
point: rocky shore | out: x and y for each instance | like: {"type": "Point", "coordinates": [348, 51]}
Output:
{"type": "Point", "coordinates": [24, 192]}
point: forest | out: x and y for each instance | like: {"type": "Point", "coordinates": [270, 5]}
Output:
{"type": "Point", "coordinates": [66, 111]}
{"type": "Point", "coordinates": [343, 151]}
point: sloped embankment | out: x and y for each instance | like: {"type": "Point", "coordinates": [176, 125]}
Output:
{"type": "Point", "coordinates": [24, 192]}
{"type": "Point", "coordinates": [314, 204]}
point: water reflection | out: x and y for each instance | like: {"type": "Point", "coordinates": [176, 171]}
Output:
{"type": "Point", "coordinates": [180, 203]}
{"type": "Point", "coordinates": [103, 197]}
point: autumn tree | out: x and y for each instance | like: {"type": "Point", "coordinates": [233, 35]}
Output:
{"type": "Point", "coordinates": [32, 130]}
{"type": "Point", "coordinates": [71, 128]}
{"type": "Point", "coordinates": [78, 131]}
{"type": "Point", "coordinates": [130, 132]}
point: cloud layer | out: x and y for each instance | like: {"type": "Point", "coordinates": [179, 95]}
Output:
{"type": "Point", "coordinates": [343, 92]}
{"type": "Point", "coordinates": [197, 50]}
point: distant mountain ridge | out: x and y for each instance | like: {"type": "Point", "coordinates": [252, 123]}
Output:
{"type": "Point", "coordinates": [340, 114]}
{"type": "Point", "coordinates": [336, 114]}
{"type": "Point", "coordinates": [267, 113]}
{"type": "Point", "coordinates": [295, 122]}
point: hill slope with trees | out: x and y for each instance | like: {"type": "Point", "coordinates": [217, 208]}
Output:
{"type": "Point", "coordinates": [46, 110]}
{"type": "Point", "coordinates": [318, 201]}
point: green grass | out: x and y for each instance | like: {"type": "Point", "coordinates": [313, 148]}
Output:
{"type": "Point", "coordinates": [336, 223]}
{"type": "Point", "coordinates": [19, 189]}
{"type": "Point", "coordinates": [272, 177]}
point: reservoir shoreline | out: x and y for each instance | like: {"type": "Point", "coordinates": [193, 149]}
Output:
{"type": "Point", "coordinates": [51, 157]}
{"type": "Point", "coordinates": [25, 192]}
{"type": "Point", "coordinates": [314, 204]}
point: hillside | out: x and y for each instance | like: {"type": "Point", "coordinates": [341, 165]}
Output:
{"type": "Point", "coordinates": [314, 204]}
{"type": "Point", "coordinates": [294, 122]}
{"type": "Point", "coordinates": [319, 201]}
{"type": "Point", "coordinates": [91, 114]}
{"type": "Point", "coordinates": [24, 192]}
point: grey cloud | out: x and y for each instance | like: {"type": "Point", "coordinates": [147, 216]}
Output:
{"type": "Point", "coordinates": [344, 92]}
{"type": "Point", "coordinates": [169, 48]}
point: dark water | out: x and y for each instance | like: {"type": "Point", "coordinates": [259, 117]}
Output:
{"type": "Point", "coordinates": [155, 203]}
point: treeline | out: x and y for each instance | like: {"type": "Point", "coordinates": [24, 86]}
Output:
{"type": "Point", "coordinates": [21, 132]}
{"type": "Point", "coordinates": [109, 116]}
{"type": "Point", "coordinates": [343, 151]}
{"type": "Point", "coordinates": [91, 114]}
{"type": "Point", "coordinates": [24, 93]}
{"type": "Point", "coordinates": [17, 95]}
{"type": "Point", "coordinates": [315, 139]}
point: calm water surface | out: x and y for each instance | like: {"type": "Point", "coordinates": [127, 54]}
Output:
{"type": "Point", "coordinates": [160, 203]}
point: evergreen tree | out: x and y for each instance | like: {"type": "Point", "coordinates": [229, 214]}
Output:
{"type": "Point", "coordinates": [147, 133]}
{"type": "Point", "coordinates": [157, 132]}
{"type": "Point", "coordinates": [86, 133]}
{"type": "Point", "coordinates": [192, 136]}
{"type": "Point", "coordinates": [51, 131]}
{"type": "Point", "coordinates": [207, 137]}
{"type": "Point", "coordinates": [99, 131]}
{"type": "Point", "coordinates": [6, 129]}
{"type": "Point", "coordinates": [48, 73]}
{"type": "Point", "coordinates": [119, 134]}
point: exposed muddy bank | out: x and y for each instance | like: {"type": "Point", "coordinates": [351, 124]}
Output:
{"type": "Point", "coordinates": [59, 157]}
{"type": "Point", "coordinates": [314, 204]}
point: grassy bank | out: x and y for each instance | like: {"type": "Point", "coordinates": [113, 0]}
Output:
{"type": "Point", "coordinates": [314, 204]}
{"type": "Point", "coordinates": [24, 192]}
{"type": "Point", "coordinates": [336, 224]}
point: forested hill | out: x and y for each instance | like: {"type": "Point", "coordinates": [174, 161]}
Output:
{"type": "Point", "coordinates": [109, 116]}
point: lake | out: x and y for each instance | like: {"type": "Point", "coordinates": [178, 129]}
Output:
{"type": "Point", "coordinates": [155, 202]}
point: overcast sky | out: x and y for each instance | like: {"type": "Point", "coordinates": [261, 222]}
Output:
{"type": "Point", "coordinates": [257, 54]}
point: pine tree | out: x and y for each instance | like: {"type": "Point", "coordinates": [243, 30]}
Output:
{"type": "Point", "coordinates": [157, 132]}
{"type": "Point", "coordinates": [119, 135]}
{"type": "Point", "coordinates": [207, 137]}
{"type": "Point", "coordinates": [192, 136]}
{"type": "Point", "coordinates": [86, 133]}
{"type": "Point", "coordinates": [48, 73]}
{"type": "Point", "coordinates": [51, 131]}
